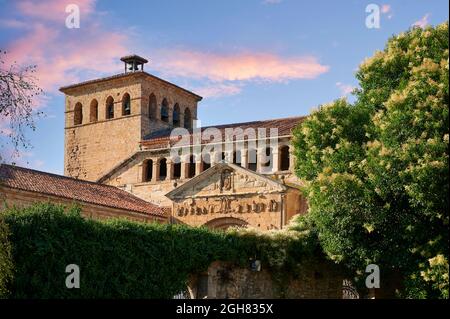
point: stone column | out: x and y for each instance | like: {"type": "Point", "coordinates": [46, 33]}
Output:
{"type": "Point", "coordinates": [169, 169]}
{"type": "Point", "coordinates": [155, 172]}
{"type": "Point", "coordinates": [213, 157]}
{"type": "Point", "coordinates": [244, 157]}
{"type": "Point", "coordinates": [198, 165]}
{"type": "Point", "coordinates": [259, 157]}
{"type": "Point", "coordinates": [275, 160]}
{"type": "Point", "coordinates": [183, 165]}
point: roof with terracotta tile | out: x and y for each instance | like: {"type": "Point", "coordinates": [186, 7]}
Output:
{"type": "Point", "coordinates": [162, 138]}
{"type": "Point", "coordinates": [66, 89]}
{"type": "Point", "coordinates": [74, 189]}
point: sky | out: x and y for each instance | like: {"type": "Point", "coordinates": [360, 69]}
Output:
{"type": "Point", "coordinates": [250, 60]}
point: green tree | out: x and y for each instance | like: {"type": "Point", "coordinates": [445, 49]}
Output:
{"type": "Point", "coordinates": [376, 171]}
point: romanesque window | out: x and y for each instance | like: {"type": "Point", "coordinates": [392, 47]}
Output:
{"type": "Point", "coordinates": [237, 158]}
{"type": "Point", "coordinates": [206, 162]}
{"type": "Point", "coordinates": [177, 168]}
{"type": "Point", "coordinates": [191, 166]}
{"type": "Point", "coordinates": [126, 104]}
{"type": "Point", "coordinates": [187, 119]}
{"type": "Point", "coordinates": [109, 108]}
{"type": "Point", "coordinates": [284, 158]}
{"type": "Point", "coordinates": [152, 106]}
{"type": "Point", "coordinates": [93, 116]}
{"type": "Point", "coordinates": [252, 159]}
{"type": "Point", "coordinates": [162, 169]}
{"type": "Point", "coordinates": [176, 115]}
{"type": "Point", "coordinates": [165, 111]}
{"type": "Point", "coordinates": [148, 171]}
{"type": "Point", "coordinates": [78, 114]}
{"type": "Point", "coordinates": [268, 158]}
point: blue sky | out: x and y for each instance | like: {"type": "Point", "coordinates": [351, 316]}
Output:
{"type": "Point", "coordinates": [253, 59]}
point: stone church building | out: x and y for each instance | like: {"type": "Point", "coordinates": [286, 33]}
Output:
{"type": "Point", "coordinates": [119, 131]}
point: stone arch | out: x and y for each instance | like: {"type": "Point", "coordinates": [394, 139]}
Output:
{"type": "Point", "coordinates": [252, 157]}
{"type": "Point", "coordinates": [109, 114]}
{"type": "Point", "coordinates": [148, 171]}
{"type": "Point", "coordinates": [285, 159]}
{"type": "Point", "coordinates": [191, 169]}
{"type": "Point", "coordinates": [78, 114]}
{"type": "Point", "coordinates": [176, 162]}
{"type": "Point", "coordinates": [152, 107]}
{"type": "Point", "coordinates": [237, 157]}
{"type": "Point", "coordinates": [162, 163]}
{"type": "Point", "coordinates": [187, 118]}
{"type": "Point", "coordinates": [176, 115]}
{"type": "Point", "coordinates": [126, 104]}
{"type": "Point", "coordinates": [267, 158]}
{"type": "Point", "coordinates": [165, 111]}
{"type": "Point", "coordinates": [93, 111]}
{"type": "Point", "coordinates": [206, 161]}
{"type": "Point", "coordinates": [224, 223]}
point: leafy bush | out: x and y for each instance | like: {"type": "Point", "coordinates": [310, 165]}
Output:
{"type": "Point", "coordinates": [123, 259]}
{"type": "Point", "coordinates": [377, 171]}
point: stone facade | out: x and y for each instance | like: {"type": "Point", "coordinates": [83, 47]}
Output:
{"type": "Point", "coordinates": [118, 133]}
{"type": "Point", "coordinates": [228, 195]}
{"type": "Point", "coordinates": [225, 281]}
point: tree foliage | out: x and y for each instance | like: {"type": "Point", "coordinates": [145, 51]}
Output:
{"type": "Point", "coordinates": [377, 170]}
{"type": "Point", "coordinates": [123, 259]}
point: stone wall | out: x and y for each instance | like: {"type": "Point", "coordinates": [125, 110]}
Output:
{"type": "Point", "coordinates": [94, 147]}
{"type": "Point", "coordinates": [13, 197]}
{"type": "Point", "coordinates": [315, 280]}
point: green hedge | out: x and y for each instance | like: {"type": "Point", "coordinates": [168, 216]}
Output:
{"type": "Point", "coordinates": [122, 259]}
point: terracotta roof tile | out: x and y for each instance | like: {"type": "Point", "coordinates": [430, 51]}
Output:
{"type": "Point", "coordinates": [78, 190]}
{"type": "Point", "coordinates": [161, 138]}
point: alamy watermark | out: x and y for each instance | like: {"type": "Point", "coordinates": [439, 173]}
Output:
{"type": "Point", "coordinates": [73, 19]}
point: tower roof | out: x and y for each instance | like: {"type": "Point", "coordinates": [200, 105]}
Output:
{"type": "Point", "coordinates": [133, 57]}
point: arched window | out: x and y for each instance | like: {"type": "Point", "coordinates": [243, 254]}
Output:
{"type": "Point", "coordinates": [109, 108]}
{"type": "Point", "coordinates": [152, 106]}
{"type": "Point", "coordinates": [148, 171]}
{"type": "Point", "coordinates": [284, 158]}
{"type": "Point", "coordinates": [162, 169]}
{"type": "Point", "coordinates": [177, 168]}
{"type": "Point", "coordinates": [252, 159]}
{"type": "Point", "coordinates": [237, 158]}
{"type": "Point", "coordinates": [126, 104]}
{"type": "Point", "coordinates": [176, 115]}
{"type": "Point", "coordinates": [223, 156]}
{"type": "Point", "coordinates": [187, 119]}
{"type": "Point", "coordinates": [191, 166]}
{"type": "Point", "coordinates": [267, 161]}
{"type": "Point", "coordinates": [78, 114]}
{"type": "Point", "coordinates": [165, 111]}
{"type": "Point", "coordinates": [206, 162]}
{"type": "Point", "coordinates": [93, 113]}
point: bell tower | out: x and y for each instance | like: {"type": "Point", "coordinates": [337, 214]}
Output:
{"type": "Point", "coordinates": [107, 118]}
{"type": "Point", "coordinates": [133, 63]}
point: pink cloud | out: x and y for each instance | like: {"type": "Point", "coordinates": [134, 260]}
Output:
{"type": "Point", "coordinates": [423, 22]}
{"type": "Point", "coordinates": [385, 8]}
{"type": "Point", "coordinates": [239, 67]}
{"type": "Point", "coordinates": [64, 55]}
{"type": "Point", "coordinates": [345, 89]}
{"type": "Point", "coordinates": [54, 10]}
{"type": "Point", "coordinates": [219, 90]}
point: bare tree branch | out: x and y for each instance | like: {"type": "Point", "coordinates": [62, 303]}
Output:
{"type": "Point", "coordinates": [18, 93]}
